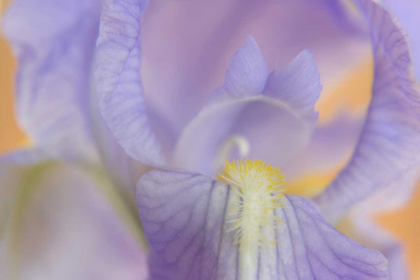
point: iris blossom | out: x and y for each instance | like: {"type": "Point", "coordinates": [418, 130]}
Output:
{"type": "Point", "coordinates": [211, 166]}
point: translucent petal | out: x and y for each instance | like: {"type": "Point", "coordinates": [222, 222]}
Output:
{"type": "Point", "coordinates": [262, 121]}
{"type": "Point", "coordinates": [298, 85]}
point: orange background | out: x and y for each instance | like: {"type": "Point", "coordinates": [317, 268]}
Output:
{"type": "Point", "coordinates": [403, 223]}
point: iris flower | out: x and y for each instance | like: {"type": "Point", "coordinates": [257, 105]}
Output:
{"type": "Point", "coordinates": [209, 166]}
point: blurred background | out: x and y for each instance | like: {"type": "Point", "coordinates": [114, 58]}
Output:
{"type": "Point", "coordinates": [402, 223]}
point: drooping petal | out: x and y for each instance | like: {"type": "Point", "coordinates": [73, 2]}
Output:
{"type": "Point", "coordinates": [365, 231]}
{"type": "Point", "coordinates": [298, 86]}
{"type": "Point", "coordinates": [54, 42]}
{"type": "Point", "coordinates": [118, 80]}
{"type": "Point", "coordinates": [247, 73]}
{"type": "Point", "coordinates": [362, 227]}
{"type": "Point", "coordinates": [184, 217]}
{"type": "Point", "coordinates": [388, 145]}
{"type": "Point", "coordinates": [64, 224]}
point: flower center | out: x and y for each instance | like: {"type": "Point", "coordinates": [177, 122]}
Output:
{"type": "Point", "coordinates": [258, 191]}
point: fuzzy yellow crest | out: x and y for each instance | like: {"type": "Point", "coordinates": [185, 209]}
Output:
{"type": "Point", "coordinates": [259, 188]}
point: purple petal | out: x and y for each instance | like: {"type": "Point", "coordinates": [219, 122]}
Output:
{"type": "Point", "coordinates": [247, 73]}
{"type": "Point", "coordinates": [330, 147]}
{"type": "Point", "coordinates": [260, 121]}
{"type": "Point", "coordinates": [184, 217]}
{"type": "Point", "coordinates": [365, 230]}
{"type": "Point", "coordinates": [119, 166]}
{"type": "Point", "coordinates": [408, 12]}
{"type": "Point", "coordinates": [54, 42]}
{"type": "Point", "coordinates": [118, 80]}
{"type": "Point", "coordinates": [189, 46]}
{"type": "Point", "coordinates": [388, 145]}
{"type": "Point", "coordinates": [66, 224]}
{"type": "Point", "coordinates": [298, 86]}
{"type": "Point", "coordinates": [122, 169]}
{"type": "Point", "coordinates": [238, 113]}
{"type": "Point", "coordinates": [24, 157]}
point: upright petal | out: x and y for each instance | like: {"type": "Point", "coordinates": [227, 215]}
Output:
{"type": "Point", "coordinates": [298, 85]}
{"type": "Point", "coordinates": [388, 145]}
{"type": "Point", "coordinates": [118, 80]}
{"type": "Point", "coordinates": [54, 42]}
{"type": "Point", "coordinates": [247, 73]}
{"type": "Point", "coordinates": [188, 45]}
{"type": "Point", "coordinates": [249, 108]}
{"type": "Point", "coordinates": [184, 217]}
{"type": "Point", "coordinates": [407, 12]}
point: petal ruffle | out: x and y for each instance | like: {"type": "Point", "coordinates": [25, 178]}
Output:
{"type": "Point", "coordinates": [363, 228]}
{"type": "Point", "coordinates": [184, 217]}
{"type": "Point", "coordinates": [408, 12]}
{"type": "Point", "coordinates": [388, 145]}
{"type": "Point", "coordinates": [298, 86]}
{"type": "Point", "coordinates": [367, 232]}
{"type": "Point", "coordinates": [118, 80]}
{"type": "Point", "coordinates": [54, 43]}
{"type": "Point", "coordinates": [247, 73]}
